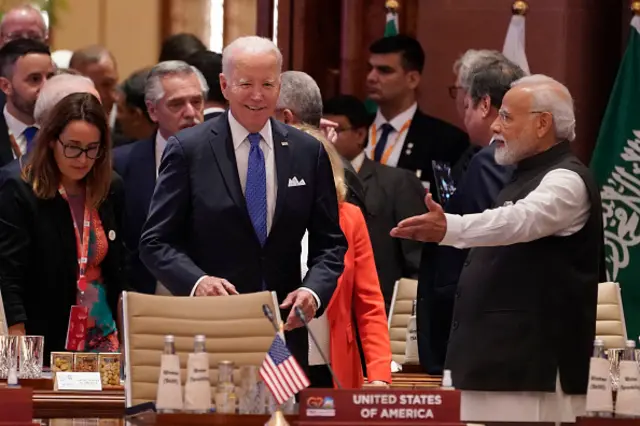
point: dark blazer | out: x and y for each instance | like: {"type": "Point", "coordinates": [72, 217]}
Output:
{"type": "Point", "coordinates": [431, 139]}
{"type": "Point", "coordinates": [355, 188]}
{"type": "Point", "coordinates": [392, 195]}
{"type": "Point", "coordinates": [198, 222]}
{"type": "Point", "coordinates": [136, 164]}
{"type": "Point", "coordinates": [39, 263]}
{"type": "Point", "coordinates": [441, 265]}
{"type": "Point", "coordinates": [6, 150]}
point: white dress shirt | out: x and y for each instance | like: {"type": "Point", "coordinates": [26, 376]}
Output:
{"type": "Point", "coordinates": [211, 110]}
{"type": "Point", "coordinates": [558, 206]}
{"type": "Point", "coordinates": [160, 145]}
{"type": "Point", "coordinates": [242, 146]}
{"type": "Point", "coordinates": [357, 162]}
{"type": "Point", "coordinates": [395, 140]}
{"type": "Point", "coordinates": [16, 128]}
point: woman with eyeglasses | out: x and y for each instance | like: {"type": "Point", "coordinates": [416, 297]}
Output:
{"type": "Point", "coordinates": [61, 253]}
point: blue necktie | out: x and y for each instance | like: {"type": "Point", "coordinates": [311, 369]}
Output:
{"type": "Point", "coordinates": [256, 188]}
{"type": "Point", "coordinates": [29, 134]}
{"type": "Point", "coordinates": [382, 142]}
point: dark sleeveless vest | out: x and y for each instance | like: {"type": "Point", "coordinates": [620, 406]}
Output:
{"type": "Point", "coordinates": [526, 312]}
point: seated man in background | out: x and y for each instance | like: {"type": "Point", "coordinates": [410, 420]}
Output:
{"type": "Point", "coordinates": [133, 118]}
{"type": "Point", "coordinates": [300, 101]}
{"type": "Point", "coordinates": [174, 96]}
{"type": "Point", "coordinates": [483, 79]}
{"type": "Point", "coordinates": [391, 194]}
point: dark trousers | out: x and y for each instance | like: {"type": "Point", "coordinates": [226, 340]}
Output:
{"type": "Point", "coordinates": [320, 377]}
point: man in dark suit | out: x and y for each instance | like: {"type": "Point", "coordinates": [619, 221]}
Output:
{"type": "Point", "coordinates": [25, 65]}
{"type": "Point", "coordinates": [391, 194]}
{"type": "Point", "coordinates": [300, 101]}
{"type": "Point", "coordinates": [401, 135]}
{"type": "Point", "coordinates": [175, 99]}
{"type": "Point", "coordinates": [236, 194]}
{"type": "Point", "coordinates": [483, 79]}
{"type": "Point", "coordinates": [210, 65]}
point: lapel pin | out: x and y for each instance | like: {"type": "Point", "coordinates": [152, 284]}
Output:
{"type": "Point", "coordinates": [284, 143]}
{"type": "Point", "coordinates": [112, 235]}
{"type": "Point", "coordinates": [410, 145]}
{"type": "Point", "coordinates": [408, 151]}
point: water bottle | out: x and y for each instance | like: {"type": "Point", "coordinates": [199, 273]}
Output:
{"type": "Point", "coordinates": [596, 377]}
{"type": "Point", "coordinates": [169, 345]}
{"type": "Point", "coordinates": [411, 342]}
{"type": "Point", "coordinates": [199, 344]}
{"type": "Point", "coordinates": [628, 393]}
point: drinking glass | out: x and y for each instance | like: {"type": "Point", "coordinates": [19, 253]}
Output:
{"type": "Point", "coordinates": [31, 352]}
{"type": "Point", "coordinates": [8, 355]}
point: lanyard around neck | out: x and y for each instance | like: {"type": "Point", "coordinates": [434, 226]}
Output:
{"type": "Point", "coordinates": [389, 149]}
{"type": "Point", "coordinates": [82, 244]}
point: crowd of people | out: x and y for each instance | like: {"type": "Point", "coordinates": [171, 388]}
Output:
{"type": "Point", "coordinates": [213, 174]}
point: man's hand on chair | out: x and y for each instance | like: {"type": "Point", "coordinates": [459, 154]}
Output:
{"type": "Point", "coordinates": [214, 286]}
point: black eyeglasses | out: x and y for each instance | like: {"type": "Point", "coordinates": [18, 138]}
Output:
{"type": "Point", "coordinates": [74, 151]}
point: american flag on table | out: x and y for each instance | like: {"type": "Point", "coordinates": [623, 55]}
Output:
{"type": "Point", "coordinates": [281, 372]}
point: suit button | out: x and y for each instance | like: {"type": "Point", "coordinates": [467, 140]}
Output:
{"type": "Point", "coordinates": [457, 294]}
{"type": "Point", "coordinates": [455, 325]}
{"type": "Point", "coordinates": [467, 262]}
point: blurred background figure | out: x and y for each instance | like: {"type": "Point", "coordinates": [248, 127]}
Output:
{"type": "Point", "coordinates": [133, 119]}
{"type": "Point", "coordinates": [23, 22]}
{"type": "Point", "coordinates": [210, 65]}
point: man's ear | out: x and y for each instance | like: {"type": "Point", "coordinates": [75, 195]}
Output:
{"type": "Point", "coordinates": [362, 133]}
{"type": "Point", "coordinates": [413, 79]}
{"type": "Point", "coordinates": [289, 118]}
{"type": "Point", "coordinates": [485, 106]}
{"type": "Point", "coordinates": [151, 109]}
{"type": "Point", "coordinates": [5, 86]}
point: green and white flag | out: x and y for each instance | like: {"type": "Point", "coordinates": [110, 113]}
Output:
{"type": "Point", "coordinates": [616, 166]}
{"type": "Point", "coordinates": [392, 27]}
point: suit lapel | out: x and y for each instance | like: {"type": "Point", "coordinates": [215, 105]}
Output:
{"type": "Point", "coordinates": [145, 173]}
{"type": "Point", "coordinates": [283, 165]}
{"type": "Point", "coordinates": [6, 150]}
{"type": "Point", "coordinates": [366, 169]}
{"type": "Point", "coordinates": [225, 156]}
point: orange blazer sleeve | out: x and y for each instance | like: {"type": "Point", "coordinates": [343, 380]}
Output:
{"type": "Point", "coordinates": [369, 305]}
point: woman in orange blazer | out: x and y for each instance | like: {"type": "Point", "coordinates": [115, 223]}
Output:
{"type": "Point", "coordinates": [357, 298]}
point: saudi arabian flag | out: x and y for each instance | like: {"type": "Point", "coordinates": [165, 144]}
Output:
{"type": "Point", "coordinates": [391, 28]}
{"type": "Point", "coordinates": [616, 166]}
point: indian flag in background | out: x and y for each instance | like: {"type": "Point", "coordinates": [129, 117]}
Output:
{"type": "Point", "coordinates": [391, 28]}
{"type": "Point", "coordinates": [514, 42]}
{"type": "Point", "coordinates": [616, 166]}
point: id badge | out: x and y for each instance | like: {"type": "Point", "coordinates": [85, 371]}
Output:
{"type": "Point", "coordinates": [77, 330]}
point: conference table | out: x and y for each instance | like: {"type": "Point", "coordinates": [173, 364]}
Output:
{"type": "Point", "coordinates": [107, 408]}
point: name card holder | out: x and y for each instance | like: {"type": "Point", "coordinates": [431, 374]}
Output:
{"type": "Point", "coordinates": [16, 406]}
{"type": "Point", "coordinates": [379, 407]}
{"type": "Point", "coordinates": [77, 382]}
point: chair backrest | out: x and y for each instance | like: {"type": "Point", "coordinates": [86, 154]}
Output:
{"type": "Point", "coordinates": [610, 325]}
{"type": "Point", "coordinates": [405, 292]}
{"type": "Point", "coordinates": [235, 329]}
{"type": "Point", "coordinates": [4, 328]}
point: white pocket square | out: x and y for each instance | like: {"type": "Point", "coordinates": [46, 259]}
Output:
{"type": "Point", "coordinates": [295, 182]}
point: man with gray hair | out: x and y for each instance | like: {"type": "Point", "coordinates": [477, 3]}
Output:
{"type": "Point", "coordinates": [174, 95]}
{"type": "Point", "coordinates": [236, 194]}
{"type": "Point", "coordinates": [58, 87]}
{"type": "Point", "coordinates": [299, 102]}
{"type": "Point", "coordinates": [525, 308]}
{"type": "Point", "coordinates": [484, 76]}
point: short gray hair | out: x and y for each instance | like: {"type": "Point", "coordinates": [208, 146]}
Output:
{"type": "Point", "coordinates": [549, 95]}
{"type": "Point", "coordinates": [153, 90]}
{"type": "Point", "coordinates": [490, 74]}
{"type": "Point", "coordinates": [55, 89]}
{"type": "Point", "coordinates": [463, 64]}
{"type": "Point", "coordinates": [300, 94]}
{"type": "Point", "coordinates": [248, 44]}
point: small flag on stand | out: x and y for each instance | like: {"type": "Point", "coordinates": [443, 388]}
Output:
{"type": "Point", "coordinates": [281, 372]}
{"type": "Point", "coordinates": [514, 42]}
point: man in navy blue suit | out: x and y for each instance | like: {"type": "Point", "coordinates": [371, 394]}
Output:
{"type": "Point", "coordinates": [235, 195]}
{"type": "Point", "coordinates": [174, 97]}
{"type": "Point", "coordinates": [483, 79]}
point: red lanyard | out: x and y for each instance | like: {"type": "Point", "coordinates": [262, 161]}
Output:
{"type": "Point", "coordinates": [83, 249]}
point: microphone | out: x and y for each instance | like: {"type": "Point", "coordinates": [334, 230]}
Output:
{"type": "Point", "coordinates": [266, 310]}
{"type": "Point", "coordinates": [300, 315]}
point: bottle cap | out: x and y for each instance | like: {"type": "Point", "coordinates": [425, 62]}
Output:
{"type": "Point", "coordinates": [447, 382]}
{"type": "Point", "coordinates": [630, 344]}
{"type": "Point", "coordinates": [598, 342]}
{"type": "Point", "coordinates": [169, 338]}
{"type": "Point", "coordinates": [200, 338]}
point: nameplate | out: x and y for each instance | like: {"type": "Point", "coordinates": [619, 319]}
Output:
{"type": "Point", "coordinates": [358, 406]}
{"type": "Point", "coordinates": [78, 382]}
